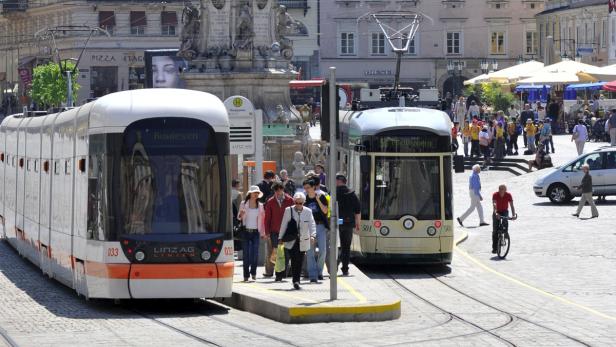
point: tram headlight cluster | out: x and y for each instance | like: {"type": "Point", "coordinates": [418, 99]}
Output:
{"type": "Point", "coordinates": [139, 256]}
{"type": "Point", "coordinates": [431, 231]}
{"type": "Point", "coordinates": [384, 231]}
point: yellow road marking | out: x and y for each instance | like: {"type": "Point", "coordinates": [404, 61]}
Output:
{"type": "Point", "coordinates": [359, 296]}
{"type": "Point", "coordinates": [367, 309]}
{"type": "Point", "coordinates": [535, 289]}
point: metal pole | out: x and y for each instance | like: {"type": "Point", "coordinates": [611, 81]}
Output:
{"type": "Point", "coordinates": [333, 220]}
{"type": "Point", "coordinates": [69, 87]}
{"type": "Point", "coordinates": [258, 146]}
{"type": "Point", "coordinates": [398, 62]}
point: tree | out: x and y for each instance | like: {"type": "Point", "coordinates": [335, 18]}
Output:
{"type": "Point", "coordinates": [494, 95]}
{"type": "Point", "coordinates": [49, 85]}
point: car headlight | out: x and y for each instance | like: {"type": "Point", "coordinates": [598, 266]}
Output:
{"type": "Point", "coordinates": [539, 182]}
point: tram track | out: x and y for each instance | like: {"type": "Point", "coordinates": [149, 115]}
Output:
{"type": "Point", "coordinates": [176, 329]}
{"type": "Point", "coordinates": [511, 317]}
{"type": "Point", "coordinates": [481, 330]}
{"type": "Point", "coordinates": [4, 335]}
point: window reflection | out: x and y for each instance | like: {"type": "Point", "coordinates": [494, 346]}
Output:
{"type": "Point", "coordinates": [407, 186]}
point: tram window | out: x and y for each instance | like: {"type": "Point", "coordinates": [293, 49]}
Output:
{"type": "Point", "coordinates": [82, 165]}
{"type": "Point", "coordinates": [448, 188]}
{"type": "Point", "coordinates": [28, 165]}
{"type": "Point", "coordinates": [56, 167]}
{"type": "Point", "coordinates": [67, 167]}
{"type": "Point", "coordinates": [36, 165]}
{"type": "Point", "coordinates": [364, 167]}
{"type": "Point", "coordinates": [2, 157]}
{"type": "Point", "coordinates": [407, 186]}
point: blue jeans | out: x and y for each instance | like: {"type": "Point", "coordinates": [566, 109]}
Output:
{"type": "Point", "coordinates": [315, 265]}
{"type": "Point", "coordinates": [250, 247]}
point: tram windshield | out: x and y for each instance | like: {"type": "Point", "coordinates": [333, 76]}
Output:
{"type": "Point", "coordinates": [407, 186]}
{"type": "Point", "coordinates": [168, 179]}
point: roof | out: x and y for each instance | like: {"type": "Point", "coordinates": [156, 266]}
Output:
{"type": "Point", "coordinates": [374, 121]}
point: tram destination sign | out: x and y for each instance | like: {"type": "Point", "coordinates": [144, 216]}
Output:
{"type": "Point", "coordinates": [412, 144]}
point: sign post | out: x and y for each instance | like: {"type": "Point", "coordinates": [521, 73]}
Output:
{"type": "Point", "coordinates": [333, 221]}
{"type": "Point", "coordinates": [246, 130]}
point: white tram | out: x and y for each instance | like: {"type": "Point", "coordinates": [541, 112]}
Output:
{"type": "Point", "coordinates": [124, 197]}
{"type": "Point", "coordinates": [399, 162]}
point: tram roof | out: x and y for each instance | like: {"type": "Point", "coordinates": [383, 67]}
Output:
{"type": "Point", "coordinates": [122, 108]}
{"type": "Point", "coordinates": [375, 121]}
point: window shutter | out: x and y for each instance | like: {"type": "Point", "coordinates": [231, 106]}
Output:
{"type": "Point", "coordinates": [106, 18]}
{"type": "Point", "coordinates": [137, 19]}
{"type": "Point", "coordinates": [169, 18]}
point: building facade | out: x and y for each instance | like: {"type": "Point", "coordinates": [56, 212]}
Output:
{"type": "Point", "coordinates": [578, 29]}
{"type": "Point", "coordinates": [305, 42]}
{"type": "Point", "coordinates": [461, 32]}
{"type": "Point", "coordinates": [109, 64]}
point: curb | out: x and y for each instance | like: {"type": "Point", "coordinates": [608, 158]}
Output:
{"type": "Point", "coordinates": [314, 314]}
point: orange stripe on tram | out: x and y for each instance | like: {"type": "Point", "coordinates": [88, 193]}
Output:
{"type": "Point", "coordinates": [159, 271]}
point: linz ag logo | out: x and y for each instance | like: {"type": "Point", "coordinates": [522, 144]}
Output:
{"type": "Point", "coordinates": [171, 252]}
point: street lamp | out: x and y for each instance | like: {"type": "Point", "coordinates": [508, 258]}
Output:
{"type": "Point", "coordinates": [485, 65]}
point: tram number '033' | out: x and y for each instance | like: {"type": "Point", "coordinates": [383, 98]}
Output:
{"type": "Point", "coordinates": [113, 252]}
{"type": "Point", "coordinates": [365, 228]}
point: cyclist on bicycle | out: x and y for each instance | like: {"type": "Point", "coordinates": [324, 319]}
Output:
{"type": "Point", "coordinates": [500, 203]}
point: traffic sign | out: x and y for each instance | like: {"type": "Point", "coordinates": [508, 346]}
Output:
{"type": "Point", "coordinates": [242, 123]}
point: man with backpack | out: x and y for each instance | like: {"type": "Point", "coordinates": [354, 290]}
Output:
{"type": "Point", "coordinates": [349, 209]}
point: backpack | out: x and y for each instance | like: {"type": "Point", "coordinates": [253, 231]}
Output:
{"type": "Point", "coordinates": [292, 232]}
{"type": "Point", "coordinates": [519, 130]}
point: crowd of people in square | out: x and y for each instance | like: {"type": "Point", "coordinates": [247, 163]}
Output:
{"type": "Point", "coordinates": [296, 218]}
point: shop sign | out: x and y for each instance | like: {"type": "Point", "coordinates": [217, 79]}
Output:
{"type": "Point", "coordinates": [378, 72]}
{"type": "Point", "coordinates": [129, 58]}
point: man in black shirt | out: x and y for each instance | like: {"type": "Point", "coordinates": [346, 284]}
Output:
{"type": "Point", "coordinates": [349, 209]}
{"type": "Point", "coordinates": [266, 186]}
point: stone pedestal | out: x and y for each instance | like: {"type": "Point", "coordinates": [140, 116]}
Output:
{"type": "Point", "coordinates": [266, 89]}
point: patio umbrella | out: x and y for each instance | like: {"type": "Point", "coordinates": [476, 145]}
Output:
{"type": "Point", "coordinates": [564, 72]}
{"type": "Point", "coordinates": [516, 72]}
{"type": "Point", "coordinates": [605, 73]}
{"type": "Point", "coordinates": [610, 86]}
{"type": "Point", "coordinates": [475, 80]}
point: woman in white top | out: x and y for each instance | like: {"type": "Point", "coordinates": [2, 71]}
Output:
{"type": "Point", "coordinates": [580, 135]}
{"type": "Point", "coordinates": [252, 215]}
{"type": "Point", "coordinates": [307, 231]}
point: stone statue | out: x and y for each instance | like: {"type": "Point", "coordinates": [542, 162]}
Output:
{"type": "Point", "coordinates": [244, 35]}
{"type": "Point", "coordinates": [191, 21]}
{"type": "Point", "coordinates": [261, 4]}
{"type": "Point", "coordinates": [218, 4]}
{"type": "Point", "coordinates": [281, 116]}
{"type": "Point", "coordinates": [298, 167]}
{"type": "Point", "coordinates": [284, 24]}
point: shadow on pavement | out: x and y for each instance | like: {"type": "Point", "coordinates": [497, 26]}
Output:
{"type": "Point", "coordinates": [63, 301]}
{"type": "Point", "coordinates": [384, 271]}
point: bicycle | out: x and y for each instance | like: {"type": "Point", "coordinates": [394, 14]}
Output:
{"type": "Point", "coordinates": [502, 231]}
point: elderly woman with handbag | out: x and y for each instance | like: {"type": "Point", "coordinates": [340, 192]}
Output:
{"type": "Point", "coordinates": [297, 230]}
{"type": "Point", "coordinates": [252, 216]}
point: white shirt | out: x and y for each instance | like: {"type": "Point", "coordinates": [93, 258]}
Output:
{"type": "Point", "coordinates": [252, 214]}
{"type": "Point", "coordinates": [582, 132]}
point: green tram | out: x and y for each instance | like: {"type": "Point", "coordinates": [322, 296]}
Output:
{"type": "Point", "coordinates": [399, 162]}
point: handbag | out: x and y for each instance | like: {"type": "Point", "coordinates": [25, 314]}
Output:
{"type": "Point", "coordinates": [292, 231]}
{"type": "Point", "coordinates": [239, 231]}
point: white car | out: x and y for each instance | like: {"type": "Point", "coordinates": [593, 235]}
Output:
{"type": "Point", "coordinates": [557, 184]}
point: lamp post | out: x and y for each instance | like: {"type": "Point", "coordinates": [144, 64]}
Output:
{"type": "Point", "coordinates": [454, 68]}
{"type": "Point", "coordinates": [485, 65]}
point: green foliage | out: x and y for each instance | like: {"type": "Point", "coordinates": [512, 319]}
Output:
{"type": "Point", "coordinates": [49, 85]}
{"type": "Point", "coordinates": [494, 95]}
{"type": "Point", "coordinates": [474, 89]}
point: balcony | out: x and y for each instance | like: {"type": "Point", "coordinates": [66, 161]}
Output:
{"type": "Point", "coordinates": [451, 9]}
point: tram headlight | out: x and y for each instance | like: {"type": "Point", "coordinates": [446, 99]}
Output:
{"type": "Point", "coordinates": [384, 231]}
{"type": "Point", "coordinates": [408, 224]}
{"type": "Point", "coordinates": [205, 255]}
{"type": "Point", "coordinates": [139, 256]}
{"type": "Point", "coordinates": [431, 231]}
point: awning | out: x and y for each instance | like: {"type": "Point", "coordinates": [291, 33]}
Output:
{"type": "Point", "coordinates": [587, 86]}
{"type": "Point", "coordinates": [531, 87]}
{"type": "Point", "coordinates": [297, 84]}
{"type": "Point", "coordinates": [610, 86]}
{"type": "Point", "coordinates": [106, 19]}
{"type": "Point", "coordinates": [137, 19]}
{"type": "Point", "coordinates": [168, 18]}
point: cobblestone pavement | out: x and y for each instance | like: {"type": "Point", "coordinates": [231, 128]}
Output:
{"type": "Point", "coordinates": [554, 289]}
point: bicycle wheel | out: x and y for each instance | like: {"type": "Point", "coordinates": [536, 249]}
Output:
{"type": "Point", "coordinates": [503, 245]}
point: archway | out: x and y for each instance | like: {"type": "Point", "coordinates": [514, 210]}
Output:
{"type": "Point", "coordinates": [454, 85]}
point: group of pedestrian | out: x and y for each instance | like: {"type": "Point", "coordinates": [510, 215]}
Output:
{"type": "Point", "coordinates": [270, 210]}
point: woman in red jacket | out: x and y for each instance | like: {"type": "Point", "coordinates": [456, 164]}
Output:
{"type": "Point", "coordinates": [274, 210]}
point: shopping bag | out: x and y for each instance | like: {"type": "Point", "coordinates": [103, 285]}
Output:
{"type": "Point", "coordinates": [279, 267]}
{"type": "Point", "coordinates": [274, 255]}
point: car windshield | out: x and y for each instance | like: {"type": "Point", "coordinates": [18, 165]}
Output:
{"type": "Point", "coordinates": [407, 186]}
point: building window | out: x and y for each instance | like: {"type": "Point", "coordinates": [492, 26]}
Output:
{"type": "Point", "coordinates": [136, 78]}
{"type": "Point", "coordinates": [103, 80]}
{"type": "Point", "coordinates": [531, 42]}
{"type": "Point", "coordinates": [497, 42]}
{"type": "Point", "coordinates": [413, 46]}
{"type": "Point", "coordinates": [378, 44]}
{"type": "Point", "coordinates": [106, 21]}
{"type": "Point", "coordinates": [541, 39]}
{"type": "Point", "coordinates": [603, 33]}
{"type": "Point", "coordinates": [453, 42]}
{"type": "Point", "coordinates": [168, 21]}
{"type": "Point", "coordinates": [137, 23]}
{"type": "Point", "coordinates": [532, 6]}
{"type": "Point", "coordinates": [347, 43]}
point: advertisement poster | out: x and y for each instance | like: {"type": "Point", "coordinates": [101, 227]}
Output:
{"type": "Point", "coordinates": [163, 68]}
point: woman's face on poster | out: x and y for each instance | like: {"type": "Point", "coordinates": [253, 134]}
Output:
{"type": "Point", "coordinates": [165, 73]}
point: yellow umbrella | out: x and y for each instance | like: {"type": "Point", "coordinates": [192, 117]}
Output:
{"type": "Point", "coordinates": [586, 78]}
